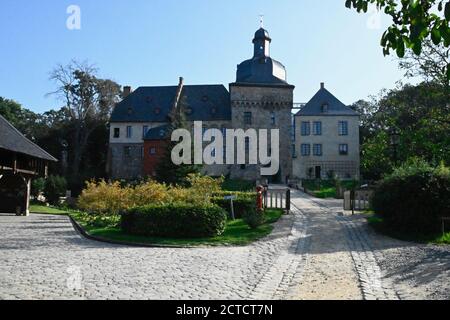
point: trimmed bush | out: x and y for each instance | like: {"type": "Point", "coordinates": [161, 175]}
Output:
{"type": "Point", "coordinates": [413, 199]}
{"type": "Point", "coordinates": [254, 218]}
{"type": "Point", "coordinates": [176, 220]}
{"type": "Point", "coordinates": [244, 202]}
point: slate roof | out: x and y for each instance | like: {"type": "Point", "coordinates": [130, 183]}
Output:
{"type": "Point", "coordinates": [260, 71]}
{"type": "Point", "coordinates": [158, 133]}
{"type": "Point", "coordinates": [11, 139]}
{"type": "Point", "coordinates": [153, 104]}
{"type": "Point", "coordinates": [322, 97]}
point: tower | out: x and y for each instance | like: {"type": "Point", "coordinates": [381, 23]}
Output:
{"type": "Point", "coordinates": [261, 98]}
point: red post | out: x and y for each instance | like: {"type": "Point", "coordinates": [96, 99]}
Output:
{"type": "Point", "coordinates": [259, 198]}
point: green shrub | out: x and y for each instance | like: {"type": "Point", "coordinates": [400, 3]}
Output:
{"type": "Point", "coordinates": [37, 187]}
{"type": "Point", "coordinates": [254, 218]}
{"type": "Point", "coordinates": [55, 187]}
{"type": "Point", "coordinates": [243, 203]}
{"type": "Point", "coordinates": [176, 220]}
{"type": "Point", "coordinates": [238, 185]}
{"type": "Point", "coordinates": [413, 198]}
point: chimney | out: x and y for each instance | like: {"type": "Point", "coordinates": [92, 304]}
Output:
{"type": "Point", "coordinates": [322, 85]}
{"type": "Point", "coordinates": [126, 91]}
{"type": "Point", "coordinates": [178, 94]}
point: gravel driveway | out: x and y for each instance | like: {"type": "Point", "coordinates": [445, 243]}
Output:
{"type": "Point", "coordinates": [312, 254]}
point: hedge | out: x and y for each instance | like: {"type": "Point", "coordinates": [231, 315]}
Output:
{"type": "Point", "coordinates": [244, 202]}
{"type": "Point", "coordinates": [176, 220]}
{"type": "Point", "coordinates": [414, 199]}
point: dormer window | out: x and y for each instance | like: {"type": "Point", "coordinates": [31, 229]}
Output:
{"type": "Point", "coordinates": [130, 111]}
{"type": "Point", "coordinates": [325, 108]}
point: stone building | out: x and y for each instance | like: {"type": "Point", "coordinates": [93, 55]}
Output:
{"type": "Point", "coordinates": [326, 139]}
{"type": "Point", "coordinates": [260, 98]}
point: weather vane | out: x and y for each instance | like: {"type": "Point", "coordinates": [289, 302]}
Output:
{"type": "Point", "coordinates": [261, 20]}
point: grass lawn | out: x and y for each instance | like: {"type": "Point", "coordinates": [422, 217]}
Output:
{"type": "Point", "coordinates": [236, 232]}
{"type": "Point", "coordinates": [378, 224]}
{"type": "Point", "coordinates": [47, 210]}
{"type": "Point", "coordinates": [325, 188]}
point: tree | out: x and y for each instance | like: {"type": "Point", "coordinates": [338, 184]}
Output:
{"type": "Point", "coordinates": [414, 23]}
{"type": "Point", "coordinates": [420, 113]}
{"type": "Point", "coordinates": [22, 119]}
{"type": "Point", "coordinates": [166, 170]}
{"type": "Point", "coordinates": [430, 65]}
{"type": "Point", "coordinates": [88, 102]}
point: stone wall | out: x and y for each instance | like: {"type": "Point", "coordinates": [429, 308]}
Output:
{"type": "Point", "coordinates": [262, 101]}
{"type": "Point", "coordinates": [345, 166]}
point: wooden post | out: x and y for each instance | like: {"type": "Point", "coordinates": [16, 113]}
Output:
{"type": "Point", "coordinates": [288, 201]}
{"type": "Point", "coordinates": [26, 211]}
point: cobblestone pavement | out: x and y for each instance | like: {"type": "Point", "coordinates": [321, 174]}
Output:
{"type": "Point", "coordinates": [42, 257]}
{"type": "Point", "coordinates": [388, 268]}
{"type": "Point", "coordinates": [314, 253]}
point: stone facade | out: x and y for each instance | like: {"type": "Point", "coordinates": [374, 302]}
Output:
{"type": "Point", "coordinates": [345, 166]}
{"type": "Point", "coordinates": [270, 108]}
{"type": "Point", "coordinates": [261, 98]}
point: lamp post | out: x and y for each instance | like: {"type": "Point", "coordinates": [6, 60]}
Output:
{"type": "Point", "coordinates": [395, 142]}
{"type": "Point", "coordinates": [64, 156]}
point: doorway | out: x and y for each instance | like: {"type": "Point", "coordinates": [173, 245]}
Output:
{"type": "Point", "coordinates": [318, 172]}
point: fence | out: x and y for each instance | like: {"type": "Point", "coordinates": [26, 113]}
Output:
{"type": "Point", "coordinates": [277, 199]}
{"type": "Point", "coordinates": [361, 200]}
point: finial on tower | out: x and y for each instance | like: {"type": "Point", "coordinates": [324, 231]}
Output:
{"type": "Point", "coordinates": [261, 21]}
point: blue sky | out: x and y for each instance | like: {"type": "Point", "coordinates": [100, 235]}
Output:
{"type": "Point", "coordinates": [153, 42]}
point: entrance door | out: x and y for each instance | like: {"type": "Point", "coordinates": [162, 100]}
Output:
{"type": "Point", "coordinates": [318, 172]}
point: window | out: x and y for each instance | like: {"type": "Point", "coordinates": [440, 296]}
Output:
{"type": "Point", "coordinates": [144, 131]}
{"type": "Point", "coordinates": [247, 118]}
{"type": "Point", "coordinates": [317, 128]}
{"type": "Point", "coordinates": [306, 128]}
{"type": "Point", "coordinates": [343, 128]}
{"type": "Point", "coordinates": [247, 145]}
{"type": "Point", "coordinates": [116, 132]}
{"type": "Point", "coordinates": [152, 151]}
{"type": "Point", "coordinates": [343, 149]}
{"type": "Point", "coordinates": [127, 152]}
{"type": "Point", "coordinates": [129, 132]}
{"type": "Point", "coordinates": [213, 152]}
{"type": "Point", "coordinates": [306, 150]}
{"type": "Point", "coordinates": [273, 119]}
{"type": "Point", "coordinates": [294, 152]}
{"type": "Point", "coordinates": [325, 108]}
{"type": "Point", "coordinates": [317, 150]}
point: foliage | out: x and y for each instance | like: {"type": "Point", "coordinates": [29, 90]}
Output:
{"type": "Point", "coordinates": [243, 204]}
{"type": "Point", "coordinates": [238, 185]}
{"type": "Point", "coordinates": [421, 115]}
{"type": "Point", "coordinates": [414, 22]}
{"type": "Point", "coordinates": [55, 187]}
{"type": "Point", "coordinates": [166, 171]}
{"type": "Point", "coordinates": [413, 198]}
{"type": "Point", "coordinates": [254, 218]}
{"type": "Point", "coordinates": [88, 102]}
{"type": "Point", "coordinates": [175, 220]}
{"type": "Point", "coordinates": [37, 187]}
{"type": "Point", "coordinates": [111, 198]}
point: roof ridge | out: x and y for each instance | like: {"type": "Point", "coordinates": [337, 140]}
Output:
{"type": "Point", "coordinates": [26, 139]}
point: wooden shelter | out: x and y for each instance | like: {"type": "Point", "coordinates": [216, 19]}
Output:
{"type": "Point", "coordinates": [20, 161]}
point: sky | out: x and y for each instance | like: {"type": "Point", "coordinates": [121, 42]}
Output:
{"type": "Point", "coordinates": [154, 42]}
